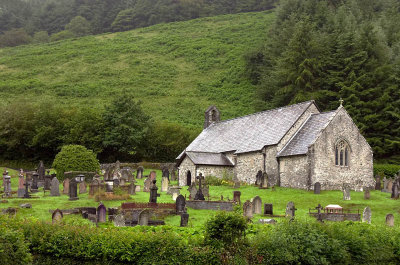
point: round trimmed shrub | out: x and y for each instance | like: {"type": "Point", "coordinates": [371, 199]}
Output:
{"type": "Point", "coordinates": [75, 158]}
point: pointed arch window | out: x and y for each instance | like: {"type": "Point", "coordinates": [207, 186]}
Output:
{"type": "Point", "coordinates": [342, 152]}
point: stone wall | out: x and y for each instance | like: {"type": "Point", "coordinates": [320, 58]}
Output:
{"type": "Point", "coordinates": [184, 167]}
{"type": "Point", "coordinates": [271, 164]}
{"type": "Point", "coordinates": [210, 205]}
{"type": "Point", "coordinates": [296, 126]}
{"type": "Point", "coordinates": [218, 171]}
{"type": "Point", "coordinates": [294, 172]}
{"type": "Point", "coordinates": [322, 154]}
{"type": "Point", "coordinates": [248, 164]}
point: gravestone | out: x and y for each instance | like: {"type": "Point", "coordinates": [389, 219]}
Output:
{"type": "Point", "coordinates": [317, 188]}
{"type": "Point", "coordinates": [199, 194]}
{"type": "Point", "coordinates": [268, 209]}
{"type": "Point", "coordinates": [119, 220]}
{"type": "Point", "coordinates": [385, 184]}
{"type": "Point", "coordinates": [26, 184]}
{"type": "Point", "coordinates": [153, 192]}
{"type": "Point", "coordinates": [21, 182]}
{"type": "Point", "coordinates": [34, 186]}
{"type": "Point", "coordinates": [259, 177]}
{"type": "Point", "coordinates": [164, 184]}
{"type": "Point", "coordinates": [122, 182]}
{"type": "Point", "coordinates": [192, 190]}
{"type": "Point", "coordinates": [101, 213]}
{"type": "Point", "coordinates": [139, 173]}
{"type": "Point", "coordinates": [7, 185]}
{"type": "Point", "coordinates": [109, 186]}
{"type": "Point", "coordinates": [66, 186]}
{"type": "Point", "coordinates": [180, 204]}
{"type": "Point", "coordinates": [290, 210]}
{"type": "Point", "coordinates": [82, 187]}
{"type": "Point", "coordinates": [73, 190]}
{"type": "Point", "coordinates": [147, 184]}
{"type": "Point", "coordinates": [367, 194]}
{"type": "Point", "coordinates": [57, 216]}
{"type": "Point", "coordinates": [390, 220]}
{"type": "Point", "coordinates": [184, 219]}
{"type": "Point", "coordinates": [359, 186]}
{"type": "Point", "coordinates": [377, 183]}
{"type": "Point", "coordinates": [367, 215]}
{"type": "Point", "coordinates": [257, 204]}
{"type": "Point", "coordinates": [248, 209]}
{"type": "Point", "coordinates": [389, 185]}
{"type": "Point", "coordinates": [205, 189]}
{"type": "Point", "coordinates": [47, 181]}
{"type": "Point", "coordinates": [173, 175]}
{"type": "Point", "coordinates": [346, 192]}
{"type": "Point", "coordinates": [41, 171]}
{"type": "Point", "coordinates": [264, 181]}
{"type": "Point", "coordinates": [132, 189]}
{"type": "Point", "coordinates": [153, 175]}
{"type": "Point", "coordinates": [165, 173]}
{"type": "Point", "coordinates": [55, 187]}
{"type": "Point", "coordinates": [126, 174]}
{"type": "Point", "coordinates": [236, 196]}
{"type": "Point", "coordinates": [395, 191]}
{"type": "Point", "coordinates": [115, 183]}
{"type": "Point", "coordinates": [144, 217]}
{"type": "Point", "coordinates": [174, 189]}
{"type": "Point", "coordinates": [174, 196]}
{"type": "Point", "coordinates": [137, 188]}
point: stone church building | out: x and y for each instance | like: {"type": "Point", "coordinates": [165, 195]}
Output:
{"type": "Point", "coordinates": [296, 146]}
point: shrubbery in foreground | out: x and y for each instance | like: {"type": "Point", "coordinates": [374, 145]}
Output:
{"type": "Point", "coordinates": [283, 243]}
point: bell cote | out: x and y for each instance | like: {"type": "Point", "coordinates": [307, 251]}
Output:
{"type": "Point", "coordinates": [211, 115]}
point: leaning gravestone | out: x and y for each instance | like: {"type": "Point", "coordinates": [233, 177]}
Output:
{"type": "Point", "coordinates": [257, 205]}
{"type": "Point", "coordinates": [378, 183]}
{"type": "Point", "coordinates": [82, 187]}
{"type": "Point", "coordinates": [390, 220]}
{"type": "Point", "coordinates": [268, 209]}
{"type": "Point", "coordinates": [55, 187]}
{"type": "Point", "coordinates": [367, 194]}
{"type": "Point", "coordinates": [290, 210]}
{"type": "Point", "coordinates": [367, 215]}
{"type": "Point", "coordinates": [180, 204]}
{"type": "Point", "coordinates": [119, 220]}
{"type": "Point", "coordinates": [66, 186]}
{"type": "Point", "coordinates": [346, 192]}
{"type": "Point", "coordinates": [57, 216]}
{"type": "Point", "coordinates": [101, 213]}
{"type": "Point", "coordinates": [144, 217]}
{"type": "Point", "coordinates": [317, 188]}
{"type": "Point", "coordinates": [248, 209]}
{"type": "Point", "coordinates": [164, 184]}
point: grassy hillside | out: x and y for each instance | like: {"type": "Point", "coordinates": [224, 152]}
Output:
{"type": "Point", "coordinates": [177, 70]}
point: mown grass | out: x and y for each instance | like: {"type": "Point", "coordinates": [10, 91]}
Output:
{"type": "Point", "coordinates": [380, 203]}
{"type": "Point", "coordinates": [177, 69]}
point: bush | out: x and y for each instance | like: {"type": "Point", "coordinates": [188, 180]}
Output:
{"type": "Point", "coordinates": [75, 158]}
{"type": "Point", "coordinates": [13, 249]}
{"type": "Point", "coordinates": [386, 170]}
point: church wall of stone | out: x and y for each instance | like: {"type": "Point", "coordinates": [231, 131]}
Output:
{"type": "Point", "coordinates": [271, 165]}
{"type": "Point", "coordinates": [296, 126]}
{"type": "Point", "coordinates": [294, 171]}
{"type": "Point", "coordinates": [248, 164]}
{"type": "Point", "coordinates": [322, 155]}
{"type": "Point", "coordinates": [184, 167]}
{"type": "Point", "coordinates": [217, 171]}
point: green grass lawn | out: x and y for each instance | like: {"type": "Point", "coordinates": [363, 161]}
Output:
{"type": "Point", "coordinates": [380, 203]}
{"type": "Point", "coordinates": [177, 69]}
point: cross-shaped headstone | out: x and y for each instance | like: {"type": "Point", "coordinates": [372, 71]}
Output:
{"type": "Point", "coordinates": [199, 195]}
{"type": "Point", "coordinates": [341, 101]}
{"type": "Point", "coordinates": [26, 184]}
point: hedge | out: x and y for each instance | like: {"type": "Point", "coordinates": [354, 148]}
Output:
{"type": "Point", "coordinates": [386, 170]}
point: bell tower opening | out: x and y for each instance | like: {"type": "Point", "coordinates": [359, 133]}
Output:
{"type": "Point", "coordinates": [212, 115]}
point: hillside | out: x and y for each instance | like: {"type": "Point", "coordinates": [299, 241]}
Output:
{"type": "Point", "coordinates": [177, 70]}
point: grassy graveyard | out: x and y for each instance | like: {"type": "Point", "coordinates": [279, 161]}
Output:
{"type": "Point", "coordinates": [380, 203]}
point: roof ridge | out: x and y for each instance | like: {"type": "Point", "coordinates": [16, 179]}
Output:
{"type": "Point", "coordinates": [264, 111]}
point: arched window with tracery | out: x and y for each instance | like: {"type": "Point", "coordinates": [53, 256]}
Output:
{"type": "Point", "coordinates": [342, 152]}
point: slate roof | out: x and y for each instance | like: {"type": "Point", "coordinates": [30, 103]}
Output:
{"type": "Point", "coordinates": [248, 133]}
{"type": "Point", "coordinates": [307, 134]}
{"type": "Point", "coordinates": [216, 159]}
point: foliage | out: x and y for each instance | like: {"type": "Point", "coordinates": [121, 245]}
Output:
{"type": "Point", "coordinates": [386, 170]}
{"type": "Point", "coordinates": [62, 35]}
{"type": "Point", "coordinates": [225, 229]}
{"type": "Point", "coordinates": [327, 50]}
{"type": "Point", "coordinates": [75, 158]}
{"type": "Point", "coordinates": [79, 26]}
{"type": "Point", "coordinates": [13, 248]}
{"type": "Point", "coordinates": [226, 180]}
{"type": "Point", "coordinates": [41, 37]}
{"type": "Point", "coordinates": [14, 37]}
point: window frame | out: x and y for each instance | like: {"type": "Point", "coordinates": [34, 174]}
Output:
{"type": "Point", "coordinates": [342, 153]}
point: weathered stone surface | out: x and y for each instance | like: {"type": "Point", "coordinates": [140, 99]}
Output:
{"type": "Point", "coordinates": [390, 220]}
{"type": "Point", "coordinates": [55, 187]}
{"type": "Point", "coordinates": [210, 205]}
{"type": "Point", "coordinates": [184, 219]}
{"type": "Point", "coordinates": [66, 186]}
{"type": "Point", "coordinates": [317, 188]}
{"type": "Point", "coordinates": [26, 205]}
{"type": "Point", "coordinates": [268, 209]}
{"type": "Point", "coordinates": [82, 187]}
{"type": "Point", "coordinates": [367, 194]}
{"type": "Point", "coordinates": [377, 183]}
{"type": "Point", "coordinates": [267, 221]}
{"type": "Point", "coordinates": [57, 216]}
{"type": "Point", "coordinates": [180, 204]}
{"type": "Point", "coordinates": [257, 205]}
{"type": "Point", "coordinates": [248, 209]}
{"type": "Point", "coordinates": [101, 213]}
{"type": "Point", "coordinates": [290, 209]}
{"type": "Point", "coordinates": [119, 220]}
{"type": "Point", "coordinates": [144, 217]}
{"type": "Point", "coordinates": [236, 196]}
{"type": "Point", "coordinates": [367, 215]}
{"type": "Point", "coordinates": [164, 184]}
{"type": "Point", "coordinates": [346, 192]}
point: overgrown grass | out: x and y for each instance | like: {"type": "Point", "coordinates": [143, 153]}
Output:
{"type": "Point", "coordinates": [176, 69]}
{"type": "Point", "coordinates": [380, 203]}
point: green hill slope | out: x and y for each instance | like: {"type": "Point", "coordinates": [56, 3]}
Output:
{"type": "Point", "coordinates": [177, 70]}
